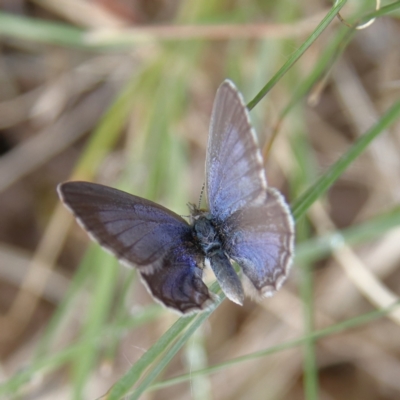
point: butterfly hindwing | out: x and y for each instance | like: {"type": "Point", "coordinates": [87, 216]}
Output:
{"type": "Point", "coordinates": [179, 284]}
{"type": "Point", "coordinates": [261, 239]}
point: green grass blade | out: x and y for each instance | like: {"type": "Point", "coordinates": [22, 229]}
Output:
{"type": "Point", "coordinates": [41, 31]}
{"type": "Point", "coordinates": [381, 12]}
{"type": "Point", "coordinates": [134, 374]}
{"type": "Point", "coordinates": [107, 133]}
{"type": "Point", "coordinates": [297, 54]}
{"type": "Point", "coordinates": [103, 279]}
{"type": "Point", "coordinates": [79, 279]}
{"type": "Point", "coordinates": [190, 323]}
{"type": "Point", "coordinates": [323, 63]}
{"type": "Point", "coordinates": [119, 312]}
{"type": "Point", "coordinates": [326, 180]}
{"type": "Point", "coordinates": [60, 358]}
{"type": "Point", "coordinates": [319, 334]}
{"type": "Point", "coordinates": [56, 33]}
{"type": "Point", "coordinates": [170, 354]}
{"type": "Point", "coordinates": [317, 248]}
{"type": "Point", "coordinates": [310, 376]}
{"type": "Point", "coordinates": [331, 52]}
{"type": "Point", "coordinates": [304, 175]}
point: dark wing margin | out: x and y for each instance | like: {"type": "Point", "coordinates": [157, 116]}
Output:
{"type": "Point", "coordinates": [261, 240]}
{"type": "Point", "coordinates": [235, 175]}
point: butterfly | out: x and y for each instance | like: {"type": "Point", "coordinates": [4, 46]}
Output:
{"type": "Point", "coordinates": [246, 221]}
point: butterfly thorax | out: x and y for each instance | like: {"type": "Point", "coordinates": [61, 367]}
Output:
{"type": "Point", "coordinates": [206, 234]}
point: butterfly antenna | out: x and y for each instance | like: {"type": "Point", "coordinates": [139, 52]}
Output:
{"type": "Point", "coordinates": [201, 195]}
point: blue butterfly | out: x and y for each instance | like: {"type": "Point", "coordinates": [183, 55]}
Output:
{"type": "Point", "coordinates": [247, 222]}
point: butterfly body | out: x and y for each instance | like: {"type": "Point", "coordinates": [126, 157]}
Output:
{"type": "Point", "coordinates": [210, 239]}
{"type": "Point", "coordinates": [246, 221]}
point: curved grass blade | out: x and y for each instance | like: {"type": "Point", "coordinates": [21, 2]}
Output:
{"type": "Point", "coordinates": [170, 354]}
{"type": "Point", "coordinates": [319, 334]}
{"type": "Point", "coordinates": [297, 54]}
{"type": "Point", "coordinates": [133, 375]}
{"type": "Point", "coordinates": [329, 177]}
{"type": "Point", "coordinates": [316, 248]}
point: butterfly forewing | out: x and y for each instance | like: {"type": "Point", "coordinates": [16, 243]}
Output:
{"type": "Point", "coordinates": [138, 231]}
{"type": "Point", "coordinates": [260, 239]}
{"type": "Point", "coordinates": [234, 170]}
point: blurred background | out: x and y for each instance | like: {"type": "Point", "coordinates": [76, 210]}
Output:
{"type": "Point", "coordinates": [120, 92]}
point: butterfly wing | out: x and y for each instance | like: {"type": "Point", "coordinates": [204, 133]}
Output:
{"type": "Point", "coordinates": [235, 175]}
{"type": "Point", "coordinates": [142, 234]}
{"type": "Point", "coordinates": [255, 221]}
{"type": "Point", "coordinates": [261, 240]}
{"type": "Point", "coordinates": [178, 284]}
